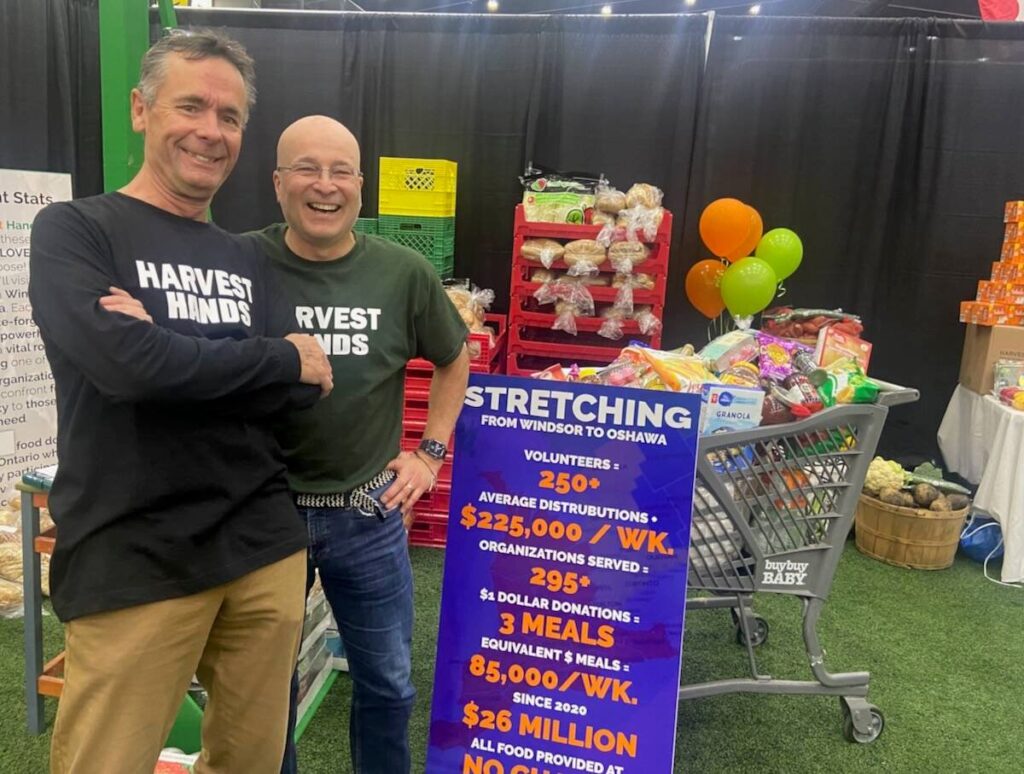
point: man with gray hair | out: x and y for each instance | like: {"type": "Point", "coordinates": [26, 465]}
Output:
{"type": "Point", "coordinates": [179, 550]}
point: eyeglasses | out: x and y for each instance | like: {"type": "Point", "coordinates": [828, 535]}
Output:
{"type": "Point", "coordinates": [315, 172]}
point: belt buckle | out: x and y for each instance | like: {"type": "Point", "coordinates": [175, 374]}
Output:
{"type": "Point", "coordinates": [386, 477]}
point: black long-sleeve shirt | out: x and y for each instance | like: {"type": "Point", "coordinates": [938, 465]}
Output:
{"type": "Point", "coordinates": [169, 479]}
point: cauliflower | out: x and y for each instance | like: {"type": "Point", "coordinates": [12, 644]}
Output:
{"type": "Point", "coordinates": [881, 474]}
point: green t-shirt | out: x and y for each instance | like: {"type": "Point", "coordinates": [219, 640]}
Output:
{"type": "Point", "coordinates": [372, 310]}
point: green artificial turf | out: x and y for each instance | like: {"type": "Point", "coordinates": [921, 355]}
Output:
{"type": "Point", "coordinates": [945, 651]}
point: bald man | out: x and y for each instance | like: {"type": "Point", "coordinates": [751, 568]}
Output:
{"type": "Point", "coordinates": [373, 305]}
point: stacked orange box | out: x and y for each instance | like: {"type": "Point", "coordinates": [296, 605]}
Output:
{"type": "Point", "coordinates": [993, 291]}
{"type": "Point", "coordinates": [991, 313]}
{"type": "Point", "coordinates": [1007, 272]}
{"type": "Point", "coordinates": [1000, 300]}
{"type": "Point", "coordinates": [1013, 252]}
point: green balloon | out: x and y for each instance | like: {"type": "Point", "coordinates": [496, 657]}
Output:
{"type": "Point", "coordinates": [783, 251]}
{"type": "Point", "coordinates": [748, 286]}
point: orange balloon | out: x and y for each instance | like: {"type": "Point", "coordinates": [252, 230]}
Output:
{"type": "Point", "coordinates": [724, 226]}
{"type": "Point", "coordinates": [702, 281]}
{"type": "Point", "coordinates": [753, 237]}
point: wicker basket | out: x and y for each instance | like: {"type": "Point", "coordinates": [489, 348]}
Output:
{"type": "Point", "coordinates": [908, 537]}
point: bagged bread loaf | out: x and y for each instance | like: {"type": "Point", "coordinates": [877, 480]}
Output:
{"type": "Point", "coordinates": [610, 200]}
{"type": "Point", "coordinates": [10, 562]}
{"type": "Point", "coordinates": [569, 290]}
{"type": "Point", "coordinates": [545, 251]}
{"type": "Point", "coordinates": [611, 327]}
{"type": "Point", "coordinates": [592, 280]}
{"type": "Point", "coordinates": [471, 304]}
{"type": "Point", "coordinates": [583, 256]}
{"type": "Point", "coordinates": [643, 195]}
{"type": "Point", "coordinates": [647, 320]}
{"type": "Point", "coordinates": [638, 280]}
{"type": "Point", "coordinates": [541, 276]}
{"type": "Point", "coordinates": [625, 255]}
{"type": "Point", "coordinates": [11, 600]}
{"type": "Point", "coordinates": [566, 313]}
{"type": "Point", "coordinates": [640, 224]}
{"type": "Point", "coordinates": [598, 218]}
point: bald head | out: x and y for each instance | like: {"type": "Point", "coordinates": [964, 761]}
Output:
{"type": "Point", "coordinates": [321, 132]}
{"type": "Point", "coordinates": [319, 187]}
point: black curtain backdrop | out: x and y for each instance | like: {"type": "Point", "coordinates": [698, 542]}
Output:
{"type": "Point", "coordinates": [491, 93]}
{"type": "Point", "coordinates": [888, 145]}
{"type": "Point", "coordinates": [50, 89]}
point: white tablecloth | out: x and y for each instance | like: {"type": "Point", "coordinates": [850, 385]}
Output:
{"type": "Point", "coordinates": [983, 441]}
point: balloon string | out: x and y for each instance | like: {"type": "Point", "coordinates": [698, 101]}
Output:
{"type": "Point", "coordinates": [782, 291]}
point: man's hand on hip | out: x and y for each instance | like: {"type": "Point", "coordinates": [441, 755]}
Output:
{"type": "Point", "coordinates": [414, 478]}
{"type": "Point", "coordinates": [316, 368]}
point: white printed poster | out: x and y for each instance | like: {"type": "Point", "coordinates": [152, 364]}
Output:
{"type": "Point", "coordinates": [28, 415]}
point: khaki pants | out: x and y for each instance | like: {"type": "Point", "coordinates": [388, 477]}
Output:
{"type": "Point", "coordinates": [126, 673]}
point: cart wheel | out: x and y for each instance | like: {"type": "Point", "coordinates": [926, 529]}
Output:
{"type": "Point", "coordinates": [875, 731]}
{"type": "Point", "coordinates": [758, 636]}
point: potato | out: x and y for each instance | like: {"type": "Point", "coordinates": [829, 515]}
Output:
{"type": "Point", "coordinates": [924, 494]}
{"type": "Point", "coordinates": [957, 502]}
{"type": "Point", "coordinates": [940, 504]}
{"type": "Point", "coordinates": [894, 496]}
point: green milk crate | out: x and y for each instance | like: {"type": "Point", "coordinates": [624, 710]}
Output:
{"type": "Point", "coordinates": [433, 238]}
{"type": "Point", "coordinates": [365, 226]}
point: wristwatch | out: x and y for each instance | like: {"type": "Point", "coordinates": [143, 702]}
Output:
{"type": "Point", "coordinates": [433, 449]}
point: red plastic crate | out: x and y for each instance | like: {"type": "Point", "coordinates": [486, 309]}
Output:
{"type": "Point", "coordinates": [410, 441]}
{"type": "Point", "coordinates": [533, 345]}
{"type": "Point", "coordinates": [523, 288]}
{"type": "Point", "coordinates": [570, 353]}
{"type": "Point", "coordinates": [429, 531]}
{"type": "Point", "coordinates": [656, 264]}
{"type": "Point", "coordinates": [488, 355]}
{"type": "Point", "coordinates": [417, 382]}
{"type": "Point", "coordinates": [525, 317]}
{"type": "Point", "coordinates": [530, 336]}
{"type": "Point", "coordinates": [414, 415]}
{"type": "Point", "coordinates": [435, 503]}
{"type": "Point", "coordinates": [415, 407]}
{"type": "Point", "coordinates": [528, 228]}
{"type": "Point", "coordinates": [417, 389]}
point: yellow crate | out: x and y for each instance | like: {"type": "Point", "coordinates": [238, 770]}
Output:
{"type": "Point", "coordinates": [417, 187]}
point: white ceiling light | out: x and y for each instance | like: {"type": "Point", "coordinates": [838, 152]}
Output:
{"type": "Point", "coordinates": [690, 2]}
{"type": "Point", "coordinates": [492, 5]}
{"type": "Point", "coordinates": [606, 10]}
{"type": "Point", "coordinates": [755, 10]}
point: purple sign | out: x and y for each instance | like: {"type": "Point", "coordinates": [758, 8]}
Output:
{"type": "Point", "coordinates": [561, 629]}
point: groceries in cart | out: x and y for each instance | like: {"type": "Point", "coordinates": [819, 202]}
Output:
{"type": "Point", "coordinates": [749, 378]}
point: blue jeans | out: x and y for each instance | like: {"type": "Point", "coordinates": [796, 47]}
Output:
{"type": "Point", "coordinates": [365, 572]}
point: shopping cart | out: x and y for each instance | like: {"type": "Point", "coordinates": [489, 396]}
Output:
{"type": "Point", "coordinates": [772, 508]}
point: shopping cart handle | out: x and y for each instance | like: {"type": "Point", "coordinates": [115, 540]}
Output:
{"type": "Point", "coordinates": [895, 395]}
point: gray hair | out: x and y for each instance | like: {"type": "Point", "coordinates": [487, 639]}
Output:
{"type": "Point", "coordinates": [195, 44]}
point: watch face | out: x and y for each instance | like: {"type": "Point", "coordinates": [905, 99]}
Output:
{"type": "Point", "coordinates": [435, 449]}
